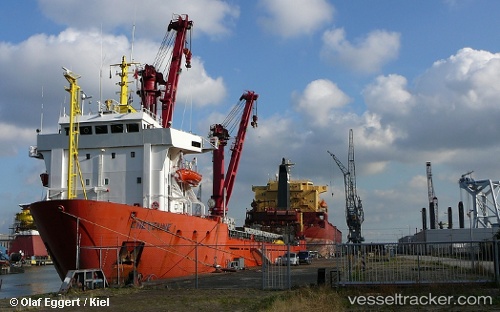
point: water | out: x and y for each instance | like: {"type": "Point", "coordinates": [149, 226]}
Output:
{"type": "Point", "coordinates": [35, 280]}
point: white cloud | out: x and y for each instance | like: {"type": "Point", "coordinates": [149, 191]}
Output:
{"type": "Point", "coordinates": [212, 17]}
{"type": "Point", "coordinates": [419, 182]}
{"type": "Point", "coordinates": [455, 103]}
{"type": "Point", "coordinates": [375, 134]}
{"type": "Point", "coordinates": [197, 86]}
{"type": "Point", "coordinates": [449, 115]}
{"type": "Point", "coordinates": [436, 119]}
{"type": "Point", "coordinates": [465, 80]}
{"type": "Point", "coordinates": [372, 168]}
{"type": "Point", "coordinates": [367, 55]}
{"type": "Point", "coordinates": [13, 137]}
{"type": "Point", "coordinates": [387, 95]}
{"type": "Point", "coordinates": [319, 99]}
{"type": "Point", "coordinates": [41, 57]}
{"type": "Point", "coordinates": [451, 111]}
{"type": "Point", "coordinates": [287, 19]}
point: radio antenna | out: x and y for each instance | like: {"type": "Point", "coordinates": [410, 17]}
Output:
{"type": "Point", "coordinates": [132, 44]}
{"type": "Point", "coordinates": [41, 114]}
{"type": "Point", "coordinates": [133, 35]}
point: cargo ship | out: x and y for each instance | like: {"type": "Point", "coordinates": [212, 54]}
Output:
{"type": "Point", "coordinates": [26, 246]}
{"type": "Point", "coordinates": [294, 204]}
{"type": "Point", "coordinates": [121, 183]}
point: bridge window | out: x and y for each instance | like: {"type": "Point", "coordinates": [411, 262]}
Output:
{"type": "Point", "coordinates": [101, 129]}
{"type": "Point", "coordinates": [118, 128]}
{"type": "Point", "coordinates": [85, 130]}
{"type": "Point", "coordinates": [134, 127]}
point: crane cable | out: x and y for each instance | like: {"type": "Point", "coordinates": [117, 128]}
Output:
{"type": "Point", "coordinates": [231, 120]}
{"type": "Point", "coordinates": [167, 42]}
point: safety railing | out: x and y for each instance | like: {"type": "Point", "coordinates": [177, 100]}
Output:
{"type": "Point", "coordinates": [415, 263]}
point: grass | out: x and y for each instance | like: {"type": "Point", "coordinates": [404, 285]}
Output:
{"type": "Point", "coordinates": [316, 299]}
{"type": "Point", "coordinates": [301, 299]}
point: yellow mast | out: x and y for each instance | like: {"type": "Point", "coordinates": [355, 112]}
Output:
{"type": "Point", "coordinates": [124, 106]}
{"type": "Point", "coordinates": [74, 131]}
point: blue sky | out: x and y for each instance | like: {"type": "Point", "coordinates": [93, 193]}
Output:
{"type": "Point", "coordinates": [417, 81]}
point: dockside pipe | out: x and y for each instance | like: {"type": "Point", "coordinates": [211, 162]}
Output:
{"type": "Point", "coordinates": [461, 214]}
{"type": "Point", "coordinates": [450, 219]}
{"type": "Point", "coordinates": [432, 216]}
{"type": "Point", "coordinates": [424, 219]}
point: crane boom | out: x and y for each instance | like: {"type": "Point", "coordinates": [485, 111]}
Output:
{"type": "Point", "coordinates": [354, 208]}
{"type": "Point", "coordinates": [223, 184]}
{"type": "Point", "coordinates": [151, 77]}
{"type": "Point", "coordinates": [250, 97]}
{"type": "Point", "coordinates": [168, 101]}
{"type": "Point", "coordinates": [339, 163]}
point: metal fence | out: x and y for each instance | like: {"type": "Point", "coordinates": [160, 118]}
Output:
{"type": "Point", "coordinates": [276, 274]}
{"type": "Point", "coordinates": [400, 263]}
{"type": "Point", "coordinates": [414, 263]}
{"type": "Point", "coordinates": [341, 265]}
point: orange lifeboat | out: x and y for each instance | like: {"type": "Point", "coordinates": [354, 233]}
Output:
{"type": "Point", "coordinates": [188, 176]}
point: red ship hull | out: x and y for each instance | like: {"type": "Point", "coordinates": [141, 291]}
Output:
{"type": "Point", "coordinates": [29, 244]}
{"type": "Point", "coordinates": [85, 234]}
{"type": "Point", "coordinates": [321, 235]}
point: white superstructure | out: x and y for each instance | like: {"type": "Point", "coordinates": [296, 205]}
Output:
{"type": "Point", "coordinates": [124, 158]}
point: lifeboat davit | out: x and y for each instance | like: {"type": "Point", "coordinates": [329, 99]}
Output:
{"type": "Point", "coordinates": [188, 176]}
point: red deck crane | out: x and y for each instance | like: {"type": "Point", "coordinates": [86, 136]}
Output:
{"type": "Point", "coordinates": [223, 184]}
{"type": "Point", "coordinates": [151, 77]}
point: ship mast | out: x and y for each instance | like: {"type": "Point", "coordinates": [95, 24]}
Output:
{"type": "Point", "coordinates": [124, 106]}
{"type": "Point", "coordinates": [73, 164]}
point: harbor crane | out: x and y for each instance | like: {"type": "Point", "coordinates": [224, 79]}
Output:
{"type": "Point", "coordinates": [354, 209]}
{"type": "Point", "coordinates": [433, 201]}
{"type": "Point", "coordinates": [484, 194]}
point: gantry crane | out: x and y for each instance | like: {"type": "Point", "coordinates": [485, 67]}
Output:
{"type": "Point", "coordinates": [484, 198]}
{"type": "Point", "coordinates": [433, 201]}
{"type": "Point", "coordinates": [354, 209]}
